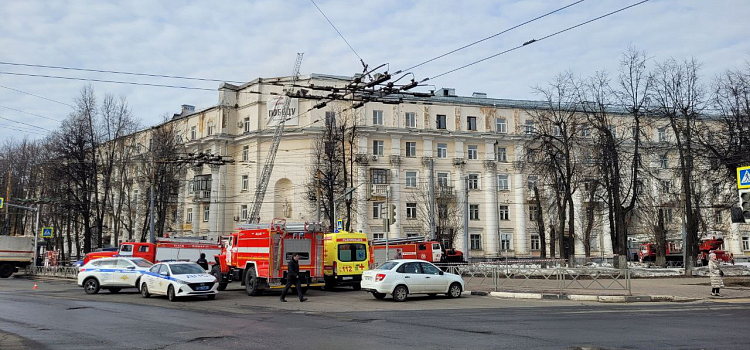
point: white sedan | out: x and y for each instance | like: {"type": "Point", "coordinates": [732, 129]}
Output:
{"type": "Point", "coordinates": [178, 279]}
{"type": "Point", "coordinates": [407, 276]}
{"type": "Point", "coordinates": [112, 273]}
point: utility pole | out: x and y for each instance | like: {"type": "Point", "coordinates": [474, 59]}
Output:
{"type": "Point", "coordinates": [466, 218]}
{"type": "Point", "coordinates": [432, 199]}
{"type": "Point", "coordinates": [6, 227]}
{"type": "Point", "coordinates": [151, 211]}
{"type": "Point", "coordinates": [386, 221]}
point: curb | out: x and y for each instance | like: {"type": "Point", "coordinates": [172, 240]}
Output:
{"type": "Point", "coordinates": [584, 297]}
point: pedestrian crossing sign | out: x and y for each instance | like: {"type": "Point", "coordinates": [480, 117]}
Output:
{"type": "Point", "coordinates": [47, 232]}
{"type": "Point", "coordinates": [743, 177]}
{"type": "Point", "coordinates": [2, 202]}
{"type": "Point", "coordinates": [339, 225]}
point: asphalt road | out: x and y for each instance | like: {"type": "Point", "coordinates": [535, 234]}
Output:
{"type": "Point", "coordinates": [60, 316]}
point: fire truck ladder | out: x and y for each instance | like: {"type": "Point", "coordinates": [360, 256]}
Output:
{"type": "Point", "coordinates": [260, 190]}
{"type": "Point", "coordinates": [400, 240]}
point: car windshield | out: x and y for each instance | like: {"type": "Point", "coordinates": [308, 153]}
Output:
{"type": "Point", "coordinates": [389, 265]}
{"type": "Point", "coordinates": [184, 269]}
{"type": "Point", "coordinates": [141, 262]}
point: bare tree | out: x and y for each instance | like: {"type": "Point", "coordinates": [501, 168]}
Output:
{"type": "Point", "coordinates": [448, 212]}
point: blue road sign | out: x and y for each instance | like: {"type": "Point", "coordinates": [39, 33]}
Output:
{"type": "Point", "coordinates": [47, 232]}
{"type": "Point", "coordinates": [743, 177]}
{"type": "Point", "coordinates": [339, 225]}
{"type": "Point", "coordinates": [2, 202]}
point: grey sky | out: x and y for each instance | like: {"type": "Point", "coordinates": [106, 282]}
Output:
{"type": "Point", "coordinates": [243, 40]}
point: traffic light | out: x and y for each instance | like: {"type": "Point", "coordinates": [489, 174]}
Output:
{"type": "Point", "coordinates": [745, 204]}
{"type": "Point", "coordinates": [392, 213]}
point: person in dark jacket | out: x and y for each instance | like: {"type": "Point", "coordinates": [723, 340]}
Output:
{"type": "Point", "coordinates": [202, 261]}
{"type": "Point", "coordinates": [292, 277]}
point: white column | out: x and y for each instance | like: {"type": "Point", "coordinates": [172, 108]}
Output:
{"type": "Point", "coordinates": [734, 242]}
{"type": "Point", "coordinates": [362, 210]}
{"type": "Point", "coordinates": [395, 184]}
{"type": "Point", "coordinates": [213, 214]}
{"type": "Point", "coordinates": [427, 146]}
{"type": "Point", "coordinates": [578, 212]}
{"type": "Point", "coordinates": [460, 185]}
{"type": "Point", "coordinates": [519, 208]}
{"type": "Point", "coordinates": [606, 233]}
{"type": "Point", "coordinates": [491, 234]}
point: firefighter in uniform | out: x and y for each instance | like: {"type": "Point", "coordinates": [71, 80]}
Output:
{"type": "Point", "coordinates": [292, 277]}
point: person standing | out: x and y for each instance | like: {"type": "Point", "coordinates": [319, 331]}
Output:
{"type": "Point", "coordinates": [202, 261]}
{"type": "Point", "coordinates": [292, 277]}
{"type": "Point", "coordinates": [714, 271]}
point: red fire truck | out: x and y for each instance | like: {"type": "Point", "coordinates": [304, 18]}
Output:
{"type": "Point", "coordinates": [164, 249]}
{"type": "Point", "coordinates": [674, 253]}
{"type": "Point", "coordinates": [413, 248]}
{"type": "Point", "coordinates": [257, 255]}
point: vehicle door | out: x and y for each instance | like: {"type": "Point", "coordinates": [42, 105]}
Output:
{"type": "Point", "coordinates": [412, 276]}
{"type": "Point", "coordinates": [434, 281]}
{"type": "Point", "coordinates": [437, 252]}
{"type": "Point", "coordinates": [151, 278]}
{"type": "Point", "coordinates": [163, 280]}
{"type": "Point", "coordinates": [423, 253]}
{"type": "Point", "coordinates": [125, 273]}
{"type": "Point", "coordinates": [105, 274]}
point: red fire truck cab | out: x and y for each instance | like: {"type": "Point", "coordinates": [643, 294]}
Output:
{"type": "Point", "coordinates": [257, 255]}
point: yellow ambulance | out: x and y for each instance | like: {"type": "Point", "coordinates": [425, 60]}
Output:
{"type": "Point", "coordinates": [345, 256]}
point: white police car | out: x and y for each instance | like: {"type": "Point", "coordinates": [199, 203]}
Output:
{"type": "Point", "coordinates": [178, 279]}
{"type": "Point", "coordinates": [112, 273]}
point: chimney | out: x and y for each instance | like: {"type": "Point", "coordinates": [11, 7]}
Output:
{"type": "Point", "coordinates": [187, 109]}
{"type": "Point", "coordinates": [479, 95]}
{"type": "Point", "coordinates": [446, 92]}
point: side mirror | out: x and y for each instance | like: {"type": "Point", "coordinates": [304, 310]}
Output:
{"type": "Point", "coordinates": [164, 273]}
{"type": "Point", "coordinates": [442, 273]}
{"type": "Point", "coordinates": [131, 267]}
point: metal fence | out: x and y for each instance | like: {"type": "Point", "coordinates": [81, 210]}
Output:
{"type": "Point", "coordinates": [548, 275]}
{"type": "Point", "coordinates": [57, 271]}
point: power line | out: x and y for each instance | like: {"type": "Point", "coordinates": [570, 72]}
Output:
{"type": "Point", "coordinates": [108, 81]}
{"type": "Point", "coordinates": [490, 37]}
{"type": "Point", "coordinates": [532, 41]}
{"type": "Point", "coordinates": [118, 72]}
{"type": "Point", "coordinates": [42, 97]}
{"type": "Point", "coordinates": [29, 113]}
{"type": "Point", "coordinates": [34, 126]}
{"type": "Point", "coordinates": [337, 31]}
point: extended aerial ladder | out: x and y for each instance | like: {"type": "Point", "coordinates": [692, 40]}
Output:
{"type": "Point", "coordinates": [265, 176]}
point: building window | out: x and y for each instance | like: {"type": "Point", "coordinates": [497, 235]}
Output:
{"type": "Point", "coordinates": [532, 213]}
{"type": "Point", "coordinates": [529, 127]}
{"type": "Point", "coordinates": [442, 209]}
{"type": "Point", "coordinates": [663, 161]}
{"type": "Point", "coordinates": [205, 213]}
{"type": "Point", "coordinates": [668, 215]}
{"type": "Point", "coordinates": [411, 179]}
{"type": "Point", "coordinates": [411, 149]}
{"type": "Point", "coordinates": [535, 242]}
{"type": "Point", "coordinates": [504, 212]}
{"type": "Point", "coordinates": [411, 120]}
{"type": "Point", "coordinates": [745, 243]}
{"type": "Point", "coordinates": [379, 176]}
{"type": "Point", "coordinates": [377, 147]}
{"type": "Point", "coordinates": [501, 155]}
{"type": "Point", "coordinates": [330, 119]}
{"type": "Point", "coordinates": [245, 182]}
{"type": "Point", "coordinates": [476, 242]}
{"type": "Point", "coordinates": [556, 130]}
{"type": "Point", "coordinates": [377, 117]}
{"type": "Point", "coordinates": [473, 181]}
{"type": "Point", "coordinates": [376, 207]}
{"type": "Point", "coordinates": [665, 186]}
{"type": "Point", "coordinates": [473, 211]}
{"type": "Point", "coordinates": [191, 187]}
{"type": "Point", "coordinates": [193, 133]}
{"type": "Point", "coordinates": [473, 153]}
{"type": "Point", "coordinates": [243, 212]}
{"type": "Point", "coordinates": [505, 241]}
{"type": "Point", "coordinates": [210, 128]}
{"type": "Point", "coordinates": [717, 217]}
{"type": "Point", "coordinates": [442, 179]}
{"type": "Point", "coordinates": [189, 215]}
{"type": "Point", "coordinates": [502, 182]}
{"type": "Point", "coordinates": [471, 123]}
{"type": "Point", "coordinates": [501, 125]}
{"type": "Point", "coordinates": [442, 150]}
{"type": "Point", "coordinates": [586, 131]}
{"type": "Point", "coordinates": [662, 134]}
{"type": "Point", "coordinates": [245, 153]}
{"type": "Point", "coordinates": [411, 210]}
{"type": "Point", "coordinates": [440, 122]}
{"type": "Point", "coordinates": [531, 182]}
{"type": "Point", "coordinates": [246, 125]}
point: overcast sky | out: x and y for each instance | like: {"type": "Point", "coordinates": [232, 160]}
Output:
{"type": "Point", "coordinates": [244, 40]}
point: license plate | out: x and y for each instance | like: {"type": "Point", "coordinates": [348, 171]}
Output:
{"type": "Point", "coordinates": [347, 278]}
{"type": "Point", "coordinates": [202, 288]}
{"type": "Point", "coordinates": [367, 278]}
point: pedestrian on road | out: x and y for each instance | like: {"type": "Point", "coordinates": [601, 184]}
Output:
{"type": "Point", "coordinates": [292, 277]}
{"type": "Point", "coordinates": [203, 262]}
{"type": "Point", "coordinates": [715, 272]}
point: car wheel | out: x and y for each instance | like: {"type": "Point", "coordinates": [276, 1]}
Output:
{"type": "Point", "coordinates": [6, 270]}
{"type": "Point", "coordinates": [400, 293]}
{"type": "Point", "coordinates": [211, 296]}
{"type": "Point", "coordinates": [454, 291]}
{"type": "Point", "coordinates": [379, 296]}
{"type": "Point", "coordinates": [357, 286]}
{"type": "Point", "coordinates": [216, 272]}
{"type": "Point", "coordinates": [115, 290]}
{"type": "Point", "coordinates": [91, 286]}
{"type": "Point", "coordinates": [170, 294]}
{"type": "Point", "coordinates": [144, 291]}
{"type": "Point", "coordinates": [431, 295]}
{"type": "Point", "coordinates": [252, 283]}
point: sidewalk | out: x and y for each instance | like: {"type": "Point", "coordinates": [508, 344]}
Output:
{"type": "Point", "coordinates": [643, 289]}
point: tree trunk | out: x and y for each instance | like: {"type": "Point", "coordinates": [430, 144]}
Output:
{"type": "Point", "coordinates": [540, 224]}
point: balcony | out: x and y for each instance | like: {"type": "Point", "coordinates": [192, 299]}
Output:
{"type": "Point", "coordinates": [202, 188]}
{"type": "Point", "coordinates": [378, 190]}
{"type": "Point", "coordinates": [203, 196]}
